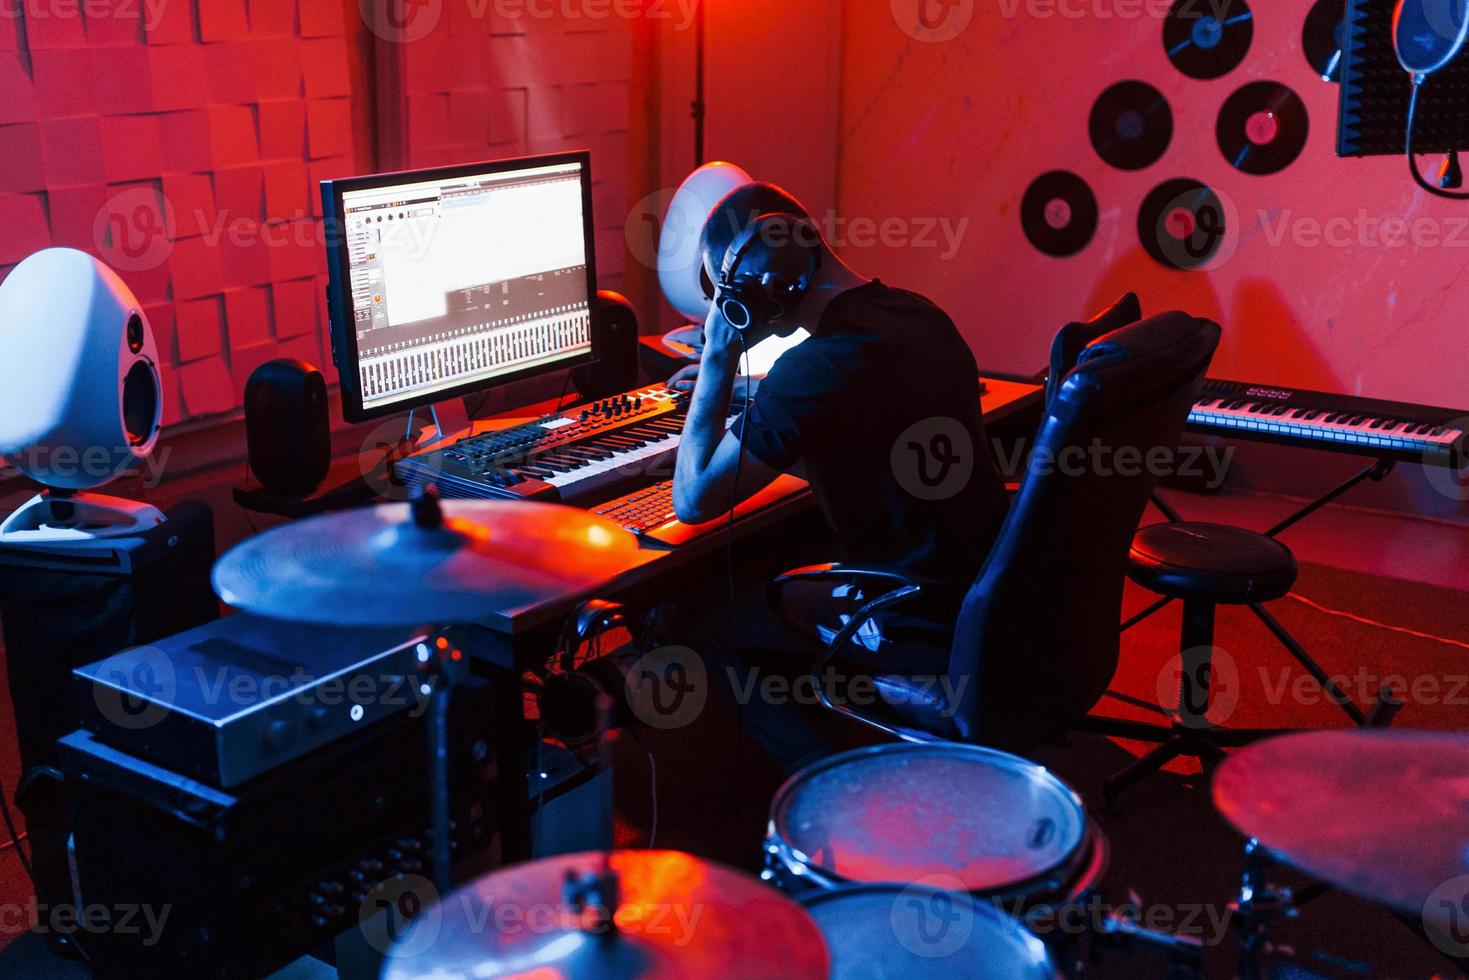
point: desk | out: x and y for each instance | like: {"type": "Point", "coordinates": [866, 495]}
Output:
{"type": "Point", "coordinates": [511, 641]}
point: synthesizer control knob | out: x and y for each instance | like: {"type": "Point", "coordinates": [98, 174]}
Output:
{"type": "Point", "coordinates": [316, 718]}
{"type": "Point", "coordinates": [278, 735]}
{"type": "Point", "coordinates": [331, 889]}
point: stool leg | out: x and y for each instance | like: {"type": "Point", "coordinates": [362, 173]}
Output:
{"type": "Point", "coordinates": [1198, 654]}
{"type": "Point", "coordinates": [1144, 765]}
{"type": "Point", "coordinates": [1306, 661]}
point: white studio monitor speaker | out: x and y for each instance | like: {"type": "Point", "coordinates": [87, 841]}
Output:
{"type": "Point", "coordinates": [680, 266]}
{"type": "Point", "coordinates": [80, 399]}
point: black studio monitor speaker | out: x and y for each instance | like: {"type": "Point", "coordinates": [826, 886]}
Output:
{"type": "Point", "coordinates": [615, 327]}
{"type": "Point", "coordinates": [287, 429]}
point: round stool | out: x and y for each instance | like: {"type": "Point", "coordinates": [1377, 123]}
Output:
{"type": "Point", "coordinates": [1205, 566]}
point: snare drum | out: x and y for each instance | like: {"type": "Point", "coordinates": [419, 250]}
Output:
{"type": "Point", "coordinates": [958, 817]}
{"type": "Point", "coordinates": [892, 931]}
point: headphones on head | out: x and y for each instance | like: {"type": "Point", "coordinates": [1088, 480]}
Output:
{"type": "Point", "coordinates": [786, 249]}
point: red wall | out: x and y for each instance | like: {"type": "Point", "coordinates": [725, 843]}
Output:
{"type": "Point", "coordinates": [182, 142]}
{"type": "Point", "coordinates": [524, 78]}
{"type": "Point", "coordinates": [958, 129]}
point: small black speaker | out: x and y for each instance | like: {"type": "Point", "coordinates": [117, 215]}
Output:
{"type": "Point", "coordinates": [287, 431]}
{"type": "Point", "coordinates": [615, 331]}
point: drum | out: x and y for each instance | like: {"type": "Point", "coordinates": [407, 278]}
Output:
{"type": "Point", "coordinates": [956, 817]}
{"type": "Point", "coordinates": [913, 932]}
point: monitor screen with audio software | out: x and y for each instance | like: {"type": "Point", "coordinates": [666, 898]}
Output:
{"type": "Point", "coordinates": [448, 281]}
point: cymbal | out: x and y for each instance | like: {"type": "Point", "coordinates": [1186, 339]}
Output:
{"type": "Point", "coordinates": [1384, 815]}
{"type": "Point", "coordinates": [678, 916]}
{"type": "Point", "coordinates": [455, 562]}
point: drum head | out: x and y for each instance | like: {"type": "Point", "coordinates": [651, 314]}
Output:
{"type": "Point", "coordinates": [902, 813]}
{"type": "Point", "coordinates": [891, 931]}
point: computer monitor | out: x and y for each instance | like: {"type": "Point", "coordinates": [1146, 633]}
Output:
{"type": "Point", "coordinates": [447, 281]}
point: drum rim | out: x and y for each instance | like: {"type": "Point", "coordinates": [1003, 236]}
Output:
{"type": "Point", "coordinates": [1062, 873]}
{"type": "Point", "coordinates": [997, 915]}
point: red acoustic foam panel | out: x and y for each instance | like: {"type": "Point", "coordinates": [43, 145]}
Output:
{"type": "Point", "coordinates": [200, 328]}
{"type": "Point", "coordinates": [329, 127]}
{"type": "Point", "coordinates": [19, 104]}
{"type": "Point", "coordinates": [20, 151]}
{"type": "Point", "coordinates": [169, 23]}
{"type": "Point", "coordinates": [192, 198]}
{"type": "Point", "coordinates": [296, 250]}
{"type": "Point", "coordinates": [24, 219]}
{"type": "Point", "coordinates": [324, 68]}
{"type": "Point", "coordinates": [273, 18]}
{"type": "Point", "coordinates": [72, 149]}
{"type": "Point", "coordinates": [322, 19]}
{"type": "Point", "coordinates": [244, 251]}
{"type": "Point", "coordinates": [306, 347]}
{"type": "Point", "coordinates": [282, 129]}
{"type": "Point", "coordinates": [171, 404]}
{"type": "Point", "coordinates": [329, 169]}
{"type": "Point", "coordinates": [295, 302]}
{"type": "Point", "coordinates": [49, 24]}
{"type": "Point", "coordinates": [239, 192]}
{"type": "Point", "coordinates": [247, 317]}
{"type": "Point", "coordinates": [115, 22]}
{"type": "Point", "coordinates": [232, 137]}
{"type": "Point", "coordinates": [164, 324]}
{"type": "Point", "coordinates": [285, 190]}
{"type": "Point", "coordinates": [233, 73]}
{"type": "Point", "coordinates": [63, 83]}
{"type": "Point", "coordinates": [206, 387]}
{"type": "Point", "coordinates": [74, 212]}
{"type": "Point", "coordinates": [429, 62]}
{"type": "Point", "coordinates": [196, 269]}
{"type": "Point", "coordinates": [223, 20]}
{"type": "Point", "coordinates": [470, 111]}
{"type": "Point", "coordinates": [508, 107]}
{"type": "Point", "coordinates": [428, 121]}
{"type": "Point", "coordinates": [130, 148]}
{"type": "Point", "coordinates": [277, 70]}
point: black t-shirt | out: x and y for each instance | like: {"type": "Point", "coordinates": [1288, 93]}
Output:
{"type": "Point", "coordinates": [881, 405]}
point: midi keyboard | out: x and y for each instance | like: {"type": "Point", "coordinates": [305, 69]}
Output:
{"type": "Point", "coordinates": [566, 457]}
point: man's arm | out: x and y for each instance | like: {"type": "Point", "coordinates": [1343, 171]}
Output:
{"type": "Point", "coordinates": [708, 455]}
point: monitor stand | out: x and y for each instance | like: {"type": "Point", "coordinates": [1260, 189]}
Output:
{"type": "Point", "coordinates": [451, 421]}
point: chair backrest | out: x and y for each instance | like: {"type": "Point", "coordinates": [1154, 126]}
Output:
{"type": "Point", "coordinates": [1073, 338]}
{"type": "Point", "coordinates": [1038, 631]}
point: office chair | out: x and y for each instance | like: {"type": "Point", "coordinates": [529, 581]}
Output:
{"type": "Point", "coordinates": [1036, 633]}
{"type": "Point", "coordinates": [1204, 566]}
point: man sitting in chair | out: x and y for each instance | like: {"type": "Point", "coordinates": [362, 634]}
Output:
{"type": "Point", "coordinates": [879, 408]}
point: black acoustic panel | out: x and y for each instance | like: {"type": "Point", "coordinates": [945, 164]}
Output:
{"type": "Point", "coordinates": [1374, 92]}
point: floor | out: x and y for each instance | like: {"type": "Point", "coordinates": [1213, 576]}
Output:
{"type": "Point", "coordinates": [1391, 604]}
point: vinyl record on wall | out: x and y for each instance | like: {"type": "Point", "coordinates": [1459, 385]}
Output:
{"type": "Point", "coordinates": [1262, 128]}
{"type": "Point", "coordinates": [1324, 38]}
{"type": "Point", "coordinates": [1181, 224]}
{"type": "Point", "coordinates": [1131, 125]}
{"type": "Point", "coordinates": [1208, 38]}
{"type": "Point", "coordinates": [1059, 213]}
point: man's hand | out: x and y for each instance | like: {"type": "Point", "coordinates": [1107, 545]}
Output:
{"type": "Point", "coordinates": [723, 344]}
{"type": "Point", "coordinates": [685, 377]}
